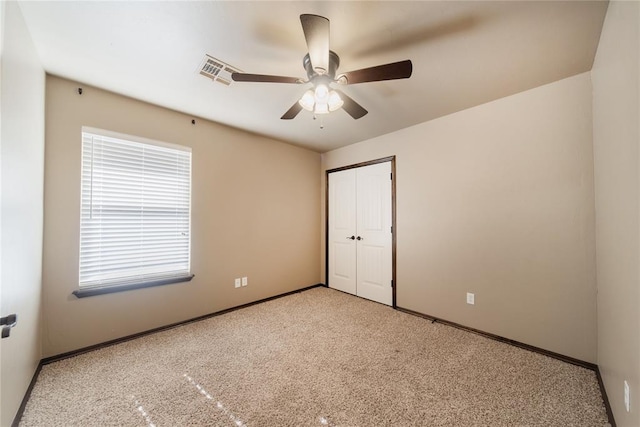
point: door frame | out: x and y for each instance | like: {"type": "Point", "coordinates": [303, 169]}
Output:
{"type": "Point", "coordinates": [391, 159]}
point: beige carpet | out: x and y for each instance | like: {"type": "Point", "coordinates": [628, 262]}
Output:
{"type": "Point", "coordinates": [314, 358]}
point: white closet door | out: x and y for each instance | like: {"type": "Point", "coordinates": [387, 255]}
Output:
{"type": "Point", "coordinates": [342, 231]}
{"type": "Point", "coordinates": [360, 238]}
{"type": "Point", "coordinates": [374, 254]}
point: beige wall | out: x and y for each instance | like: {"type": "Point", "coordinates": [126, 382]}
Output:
{"type": "Point", "coordinates": [498, 200]}
{"type": "Point", "coordinates": [21, 175]}
{"type": "Point", "coordinates": [616, 136]}
{"type": "Point", "coordinates": [255, 213]}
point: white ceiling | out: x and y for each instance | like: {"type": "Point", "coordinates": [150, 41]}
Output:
{"type": "Point", "coordinates": [463, 53]}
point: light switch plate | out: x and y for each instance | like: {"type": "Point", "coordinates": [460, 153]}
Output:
{"type": "Point", "coordinates": [245, 281]}
{"type": "Point", "coordinates": [627, 402]}
{"type": "Point", "coordinates": [471, 298]}
{"type": "Point", "coordinates": [237, 283]}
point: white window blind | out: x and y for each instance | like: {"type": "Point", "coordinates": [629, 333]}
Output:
{"type": "Point", "coordinates": [136, 210]}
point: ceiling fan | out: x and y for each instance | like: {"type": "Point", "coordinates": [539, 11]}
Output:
{"type": "Point", "coordinates": [321, 65]}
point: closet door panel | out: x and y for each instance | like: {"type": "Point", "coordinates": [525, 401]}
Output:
{"type": "Point", "coordinates": [374, 256]}
{"type": "Point", "coordinates": [360, 238]}
{"type": "Point", "coordinates": [342, 231]}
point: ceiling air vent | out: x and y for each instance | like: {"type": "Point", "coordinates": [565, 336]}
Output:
{"type": "Point", "coordinates": [217, 70]}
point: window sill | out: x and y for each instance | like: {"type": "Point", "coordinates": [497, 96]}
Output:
{"type": "Point", "coordinates": [100, 290]}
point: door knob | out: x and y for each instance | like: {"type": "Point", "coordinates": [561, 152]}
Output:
{"type": "Point", "coordinates": [352, 238]}
{"type": "Point", "coordinates": [7, 323]}
{"type": "Point", "coordinates": [360, 238]}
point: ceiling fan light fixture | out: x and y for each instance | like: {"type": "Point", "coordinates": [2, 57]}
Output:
{"type": "Point", "coordinates": [321, 108]}
{"type": "Point", "coordinates": [334, 102]}
{"type": "Point", "coordinates": [322, 92]}
{"type": "Point", "coordinates": [308, 100]}
{"type": "Point", "coordinates": [321, 100]}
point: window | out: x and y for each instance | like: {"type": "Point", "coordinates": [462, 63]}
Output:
{"type": "Point", "coordinates": [135, 215]}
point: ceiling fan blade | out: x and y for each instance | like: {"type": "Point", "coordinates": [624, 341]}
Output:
{"type": "Point", "coordinates": [393, 71]}
{"type": "Point", "coordinates": [261, 78]}
{"type": "Point", "coordinates": [354, 109]}
{"type": "Point", "coordinates": [292, 112]}
{"type": "Point", "coordinates": [316, 32]}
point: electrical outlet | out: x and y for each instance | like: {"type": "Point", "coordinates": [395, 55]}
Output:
{"type": "Point", "coordinates": [245, 281]}
{"type": "Point", "coordinates": [626, 396]}
{"type": "Point", "coordinates": [471, 298]}
{"type": "Point", "coordinates": [237, 283]}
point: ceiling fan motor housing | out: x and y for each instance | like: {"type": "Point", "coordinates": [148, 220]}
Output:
{"type": "Point", "coordinates": [334, 62]}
